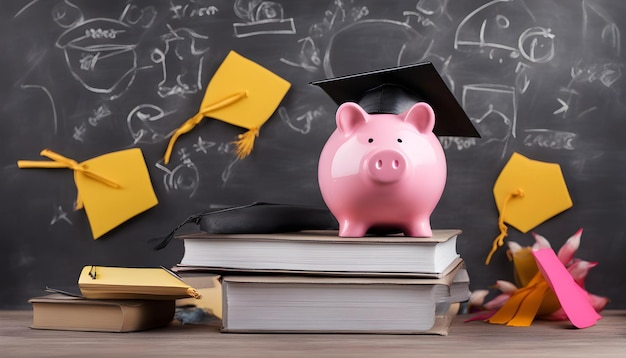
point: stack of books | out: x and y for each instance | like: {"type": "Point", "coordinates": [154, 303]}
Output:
{"type": "Point", "coordinates": [316, 281]}
{"type": "Point", "coordinates": [113, 299]}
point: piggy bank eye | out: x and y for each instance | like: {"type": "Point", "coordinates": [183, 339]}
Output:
{"type": "Point", "coordinates": [399, 140]}
{"type": "Point", "coordinates": [370, 140]}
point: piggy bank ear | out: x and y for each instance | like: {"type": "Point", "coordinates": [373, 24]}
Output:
{"type": "Point", "coordinates": [350, 116]}
{"type": "Point", "coordinates": [421, 116]}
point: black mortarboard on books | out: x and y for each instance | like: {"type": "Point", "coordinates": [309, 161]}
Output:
{"type": "Point", "coordinates": [395, 90]}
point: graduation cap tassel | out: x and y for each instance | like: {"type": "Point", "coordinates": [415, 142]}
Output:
{"type": "Point", "coordinates": [60, 161]}
{"type": "Point", "coordinates": [205, 111]}
{"type": "Point", "coordinates": [245, 142]}
{"type": "Point", "coordinates": [499, 240]}
{"type": "Point", "coordinates": [194, 293]}
{"type": "Point", "coordinates": [63, 162]}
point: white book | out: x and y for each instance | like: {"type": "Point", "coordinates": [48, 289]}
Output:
{"type": "Point", "coordinates": [320, 252]}
{"type": "Point", "coordinates": [341, 304]}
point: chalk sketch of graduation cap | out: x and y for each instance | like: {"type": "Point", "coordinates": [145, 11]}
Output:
{"type": "Point", "coordinates": [395, 90]}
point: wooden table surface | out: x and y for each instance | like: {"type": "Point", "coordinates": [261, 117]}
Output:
{"type": "Point", "coordinates": [472, 339]}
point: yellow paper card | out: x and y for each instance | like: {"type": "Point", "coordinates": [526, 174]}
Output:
{"type": "Point", "coordinates": [525, 269]}
{"type": "Point", "coordinates": [112, 188]}
{"type": "Point", "coordinates": [527, 193]}
{"type": "Point", "coordinates": [544, 191]}
{"type": "Point", "coordinates": [106, 282]}
{"type": "Point", "coordinates": [242, 93]}
{"type": "Point", "coordinates": [108, 207]}
{"type": "Point", "coordinates": [264, 92]}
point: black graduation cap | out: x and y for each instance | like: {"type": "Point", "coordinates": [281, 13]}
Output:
{"type": "Point", "coordinates": [396, 89]}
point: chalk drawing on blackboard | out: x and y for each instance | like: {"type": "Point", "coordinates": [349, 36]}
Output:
{"type": "Point", "coordinates": [486, 27]}
{"type": "Point", "coordinates": [60, 215]}
{"type": "Point", "coordinates": [100, 52]}
{"type": "Point", "coordinates": [551, 139]}
{"type": "Point", "coordinates": [605, 73]}
{"type": "Point", "coordinates": [569, 100]}
{"type": "Point", "coordinates": [203, 146]}
{"type": "Point", "coordinates": [601, 37]}
{"type": "Point", "coordinates": [398, 43]}
{"type": "Point", "coordinates": [522, 77]}
{"type": "Point", "coordinates": [536, 44]}
{"type": "Point", "coordinates": [499, 26]}
{"type": "Point", "coordinates": [564, 107]}
{"type": "Point", "coordinates": [191, 10]}
{"type": "Point", "coordinates": [181, 62]}
{"type": "Point", "coordinates": [493, 109]}
{"type": "Point", "coordinates": [99, 114]}
{"type": "Point", "coordinates": [52, 104]}
{"type": "Point", "coordinates": [79, 132]}
{"type": "Point", "coordinates": [586, 112]}
{"type": "Point", "coordinates": [146, 124]}
{"type": "Point", "coordinates": [335, 15]}
{"type": "Point", "coordinates": [139, 16]}
{"type": "Point", "coordinates": [33, 2]}
{"type": "Point", "coordinates": [262, 18]}
{"type": "Point", "coordinates": [595, 17]}
{"type": "Point", "coordinates": [66, 14]}
{"type": "Point", "coordinates": [308, 58]}
{"type": "Point", "coordinates": [301, 123]}
{"type": "Point", "coordinates": [495, 31]}
{"type": "Point", "coordinates": [458, 143]}
{"type": "Point", "coordinates": [426, 13]}
{"type": "Point", "coordinates": [227, 172]}
{"type": "Point", "coordinates": [183, 178]}
{"type": "Point", "coordinates": [227, 148]}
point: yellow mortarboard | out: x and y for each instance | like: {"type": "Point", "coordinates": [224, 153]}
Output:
{"type": "Point", "coordinates": [112, 188]}
{"type": "Point", "coordinates": [241, 93]}
{"type": "Point", "coordinates": [527, 193]}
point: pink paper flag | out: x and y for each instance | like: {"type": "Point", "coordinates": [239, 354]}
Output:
{"type": "Point", "coordinates": [572, 297]}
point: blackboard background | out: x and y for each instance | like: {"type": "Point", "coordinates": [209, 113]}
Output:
{"type": "Point", "coordinates": [545, 79]}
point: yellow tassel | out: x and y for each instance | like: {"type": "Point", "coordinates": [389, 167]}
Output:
{"type": "Point", "coordinates": [78, 204]}
{"type": "Point", "coordinates": [245, 142]}
{"type": "Point", "coordinates": [184, 128]}
{"type": "Point", "coordinates": [205, 111]}
{"type": "Point", "coordinates": [63, 162]}
{"type": "Point", "coordinates": [60, 161]}
{"type": "Point", "coordinates": [194, 293]}
{"type": "Point", "coordinates": [499, 240]}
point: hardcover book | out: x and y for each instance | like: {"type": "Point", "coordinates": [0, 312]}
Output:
{"type": "Point", "coordinates": [320, 253]}
{"type": "Point", "coordinates": [342, 304]}
{"type": "Point", "coordinates": [157, 283]}
{"type": "Point", "coordinates": [71, 313]}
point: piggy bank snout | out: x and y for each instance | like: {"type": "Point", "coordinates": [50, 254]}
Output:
{"type": "Point", "coordinates": [386, 166]}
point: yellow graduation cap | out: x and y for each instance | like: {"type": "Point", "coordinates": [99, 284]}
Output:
{"type": "Point", "coordinates": [527, 193]}
{"type": "Point", "coordinates": [241, 93]}
{"type": "Point", "coordinates": [112, 188]}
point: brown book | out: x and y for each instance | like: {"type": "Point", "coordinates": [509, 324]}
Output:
{"type": "Point", "coordinates": [342, 304]}
{"type": "Point", "coordinates": [320, 253]}
{"type": "Point", "coordinates": [70, 313]}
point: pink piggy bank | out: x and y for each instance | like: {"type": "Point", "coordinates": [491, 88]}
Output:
{"type": "Point", "coordinates": [383, 170]}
